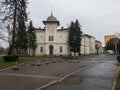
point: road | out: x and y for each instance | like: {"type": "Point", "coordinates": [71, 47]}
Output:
{"type": "Point", "coordinates": [96, 77]}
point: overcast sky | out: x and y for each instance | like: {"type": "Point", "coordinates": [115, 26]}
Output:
{"type": "Point", "coordinates": [97, 17]}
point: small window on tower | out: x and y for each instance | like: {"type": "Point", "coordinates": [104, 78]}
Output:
{"type": "Point", "coordinates": [51, 38]}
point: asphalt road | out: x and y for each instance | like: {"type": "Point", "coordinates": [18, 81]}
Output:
{"type": "Point", "coordinates": [96, 77]}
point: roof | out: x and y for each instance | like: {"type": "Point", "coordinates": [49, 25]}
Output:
{"type": "Point", "coordinates": [51, 18]}
{"type": "Point", "coordinates": [39, 29]}
{"type": "Point", "coordinates": [98, 41]}
{"type": "Point", "coordinates": [87, 35]}
{"type": "Point", "coordinates": [63, 29]}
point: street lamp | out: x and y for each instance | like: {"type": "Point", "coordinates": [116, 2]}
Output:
{"type": "Point", "coordinates": [116, 41]}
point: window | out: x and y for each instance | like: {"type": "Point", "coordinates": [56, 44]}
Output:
{"type": "Point", "coordinates": [60, 49]}
{"type": "Point", "coordinates": [50, 38]}
{"type": "Point", "coordinates": [41, 49]}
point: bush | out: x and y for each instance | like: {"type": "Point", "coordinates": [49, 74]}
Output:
{"type": "Point", "coordinates": [118, 58]}
{"type": "Point", "coordinates": [117, 86]}
{"type": "Point", "coordinates": [10, 58]}
{"type": "Point", "coordinates": [118, 74]}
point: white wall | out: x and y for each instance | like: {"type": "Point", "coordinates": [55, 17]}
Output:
{"type": "Point", "coordinates": [40, 35]}
{"type": "Point", "coordinates": [60, 40]}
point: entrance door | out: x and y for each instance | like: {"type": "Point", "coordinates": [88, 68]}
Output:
{"type": "Point", "coordinates": [51, 50]}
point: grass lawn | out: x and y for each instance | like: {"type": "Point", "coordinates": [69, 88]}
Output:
{"type": "Point", "coordinates": [117, 86]}
{"type": "Point", "coordinates": [8, 64]}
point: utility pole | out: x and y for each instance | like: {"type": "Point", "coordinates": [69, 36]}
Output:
{"type": "Point", "coordinates": [116, 41]}
{"type": "Point", "coordinates": [84, 44]}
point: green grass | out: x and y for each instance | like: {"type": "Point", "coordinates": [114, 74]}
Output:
{"type": "Point", "coordinates": [4, 65]}
{"type": "Point", "coordinates": [118, 64]}
{"type": "Point", "coordinates": [117, 86]}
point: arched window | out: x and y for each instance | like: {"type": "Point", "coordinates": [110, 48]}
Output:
{"type": "Point", "coordinates": [41, 49]}
{"type": "Point", "coordinates": [61, 50]}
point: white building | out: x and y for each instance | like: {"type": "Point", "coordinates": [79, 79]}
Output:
{"type": "Point", "coordinates": [87, 44]}
{"type": "Point", "coordinates": [51, 40]}
{"type": "Point", "coordinates": [54, 41]}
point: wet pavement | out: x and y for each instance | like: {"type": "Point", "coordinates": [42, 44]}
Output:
{"type": "Point", "coordinates": [31, 76]}
{"type": "Point", "coordinates": [96, 77]}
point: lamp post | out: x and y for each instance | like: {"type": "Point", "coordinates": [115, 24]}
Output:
{"type": "Point", "coordinates": [116, 41]}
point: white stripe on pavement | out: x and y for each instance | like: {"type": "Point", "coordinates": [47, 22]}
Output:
{"type": "Point", "coordinates": [28, 75]}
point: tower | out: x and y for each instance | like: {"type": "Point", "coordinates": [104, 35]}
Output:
{"type": "Point", "coordinates": [51, 26]}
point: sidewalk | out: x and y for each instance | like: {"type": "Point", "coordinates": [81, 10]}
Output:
{"type": "Point", "coordinates": [31, 76]}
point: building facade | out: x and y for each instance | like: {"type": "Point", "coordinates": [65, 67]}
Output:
{"type": "Point", "coordinates": [108, 37]}
{"type": "Point", "coordinates": [87, 44]}
{"type": "Point", "coordinates": [54, 41]}
{"type": "Point", "coordinates": [51, 40]}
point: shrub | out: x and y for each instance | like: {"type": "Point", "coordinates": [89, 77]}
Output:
{"type": "Point", "coordinates": [118, 58]}
{"type": "Point", "coordinates": [10, 58]}
{"type": "Point", "coordinates": [117, 86]}
{"type": "Point", "coordinates": [118, 74]}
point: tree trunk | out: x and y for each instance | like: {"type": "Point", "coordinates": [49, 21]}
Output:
{"type": "Point", "coordinates": [14, 27]}
{"type": "Point", "coordinates": [97, 51]}
{"type": "Point", "coordinates": [32, 52]}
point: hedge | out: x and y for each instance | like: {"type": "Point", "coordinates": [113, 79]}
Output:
{"type": "Point", "coordinates": [10, 58]}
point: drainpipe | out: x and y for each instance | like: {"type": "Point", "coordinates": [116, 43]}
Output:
{"type": "Point", "coordinates": [84, 45]}
{"type": "Point", "coordinates": [116, 46]}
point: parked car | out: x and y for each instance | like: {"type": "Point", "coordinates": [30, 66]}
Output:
{"type": "Point", "coordinates": [110, 52]}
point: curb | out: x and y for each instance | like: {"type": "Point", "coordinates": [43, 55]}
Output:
{"type": "Point", "coordinates": [55, 81]}
{"type": "Point", "coordinates": [46, 85]}
{"type": "Point", "coordinates": [114, 81]}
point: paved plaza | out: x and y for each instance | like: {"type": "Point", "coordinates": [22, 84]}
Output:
{"type": "Point", "coordinates": [39, 72]}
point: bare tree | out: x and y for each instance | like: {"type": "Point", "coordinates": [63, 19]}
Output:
{"type": "Point", "coordinates": [11, 11]}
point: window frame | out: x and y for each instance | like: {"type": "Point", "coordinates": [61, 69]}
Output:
{"type": "Point", "coordinates": [41, 49]}
{"type": "Point", "coordinates": [51, 38]}
{"type": "Point", "coordinates": [61, 49]}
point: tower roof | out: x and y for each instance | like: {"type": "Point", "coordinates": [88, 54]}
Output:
{"type": "Point", "coordinates": [51, 18]}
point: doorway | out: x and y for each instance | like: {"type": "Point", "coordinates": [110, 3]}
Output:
{"type": "Point", "coordinates": [51, 50]}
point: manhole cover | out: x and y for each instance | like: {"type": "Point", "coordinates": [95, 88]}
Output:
{"type": "Point", "coordinates": [72, 80]}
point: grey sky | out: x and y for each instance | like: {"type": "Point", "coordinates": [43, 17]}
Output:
{"type": "Point", "coordinates": [97, 17]}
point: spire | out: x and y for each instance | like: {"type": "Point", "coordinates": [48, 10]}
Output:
{"type": "Point", "coordinates": [51, 18]}
{"type": "Point", "coordinates": [51, 11]}
{"type": "Point", "coordinates": [51, 14]}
